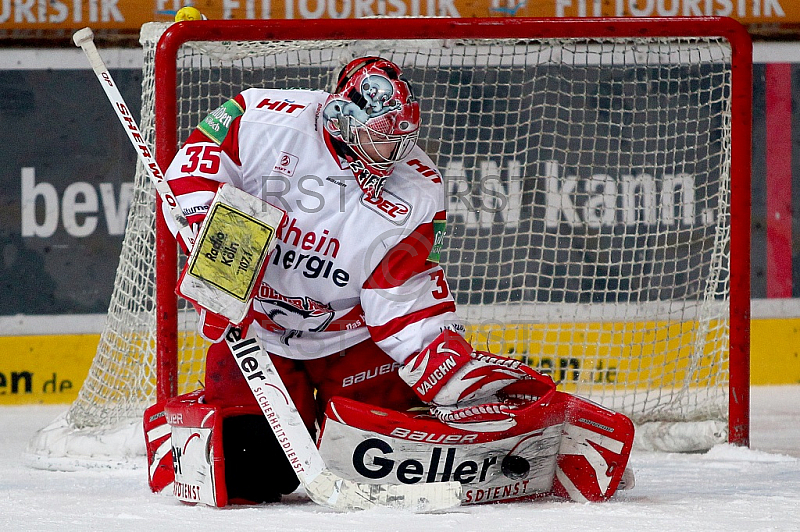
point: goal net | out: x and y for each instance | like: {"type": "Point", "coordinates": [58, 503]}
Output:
{"type": "Point", "coordinates": [597, 180]}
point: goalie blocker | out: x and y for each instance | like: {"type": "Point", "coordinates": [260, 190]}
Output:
{"type": "Point", "coordinates": [560, 445]}
{"type": "Point", "coordinates": [225, 266]}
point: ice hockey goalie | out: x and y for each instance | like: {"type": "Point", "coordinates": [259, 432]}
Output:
{"type": "Point", "coordinates": [358, 318]}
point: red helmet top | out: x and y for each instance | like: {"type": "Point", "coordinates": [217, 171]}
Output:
{"type": "Point", "coordinates": [374, 112]}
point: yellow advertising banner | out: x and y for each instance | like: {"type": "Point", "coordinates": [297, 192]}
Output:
{"type": "Point", "coordinates": [51, 368]}
{"type": "Point", "coordinates": [44, 368]}
{"type": "Point", "coordinates": [128, 15]}
{"type": "Point", "coordinates": [613, 354]}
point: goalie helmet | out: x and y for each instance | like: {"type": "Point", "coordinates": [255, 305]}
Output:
{"type": "Point", "coordinates": [373, 111]}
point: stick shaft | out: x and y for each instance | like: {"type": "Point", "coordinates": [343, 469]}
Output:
{"type": "Point", "coordinates": [276, 404]}
{"type": "Point", "coordinates": [284, 418]}
{"type": "Point", "coordinates": [84, 39]}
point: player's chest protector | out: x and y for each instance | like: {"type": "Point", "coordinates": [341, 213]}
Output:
{"type": "Point", "coordinates": [333, 236]}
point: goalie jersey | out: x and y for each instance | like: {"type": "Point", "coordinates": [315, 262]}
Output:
{"type": "Point", "coordinates": [347, 266]}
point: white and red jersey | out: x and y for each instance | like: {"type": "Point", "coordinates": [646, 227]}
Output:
{"type": "Point", "coordinates": [346, 267]}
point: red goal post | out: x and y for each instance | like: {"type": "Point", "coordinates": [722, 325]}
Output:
{"type": "Point", "coordinates": [459, 29]}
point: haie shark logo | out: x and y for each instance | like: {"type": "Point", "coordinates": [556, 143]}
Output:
{"type": "Point", "coordinates": [290, 312]}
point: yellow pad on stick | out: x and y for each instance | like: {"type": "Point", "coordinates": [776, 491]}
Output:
{"type": "Point", "coordinates": [235, 239]}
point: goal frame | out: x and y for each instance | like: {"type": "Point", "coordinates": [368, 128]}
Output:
{"type": "Point", "coordinates": [478, 28]}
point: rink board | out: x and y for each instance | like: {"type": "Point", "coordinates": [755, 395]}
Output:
{"type": "Point", "coordinates": [612, 354]}
{"type": "Point", "coordinates": [50, 368]}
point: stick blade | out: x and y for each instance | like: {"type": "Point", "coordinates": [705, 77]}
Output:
{"type": "Point", "coordinates": [347, 495]}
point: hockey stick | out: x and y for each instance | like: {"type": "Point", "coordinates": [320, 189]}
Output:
{"type": "Point", "coordinates": [323, 486]}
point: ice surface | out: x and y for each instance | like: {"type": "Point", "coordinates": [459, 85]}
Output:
{"type": "Point", "coordinates": [726, 489]}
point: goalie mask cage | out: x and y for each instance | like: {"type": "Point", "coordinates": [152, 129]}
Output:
{"type": "Point", "coordinates": [597, 175]}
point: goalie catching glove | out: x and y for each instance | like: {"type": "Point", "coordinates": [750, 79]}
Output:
{"type": "Point", "coordinates": [469, 388]}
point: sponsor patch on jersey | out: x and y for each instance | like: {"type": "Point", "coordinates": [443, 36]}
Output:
{"type": "Point", "coordinates": [285, 106]}
{"type": "Point", "coordinates": [388, 205]}
{"type": "Point", "coordinates": [287, 163]}
{"type": "Point", "coordinates": [216, 125]}
{"type": "Point", "coordinates": [439, 227]}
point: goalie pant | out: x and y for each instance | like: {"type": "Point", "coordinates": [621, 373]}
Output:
{"type": "Point", "coordinates": [560, 445]}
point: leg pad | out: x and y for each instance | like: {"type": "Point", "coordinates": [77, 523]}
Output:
{"type": "Point", "coordinates": [225, 455]}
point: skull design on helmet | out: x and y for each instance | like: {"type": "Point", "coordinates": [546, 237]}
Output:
{"type": "Point", "coordinates": [374, 112]}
